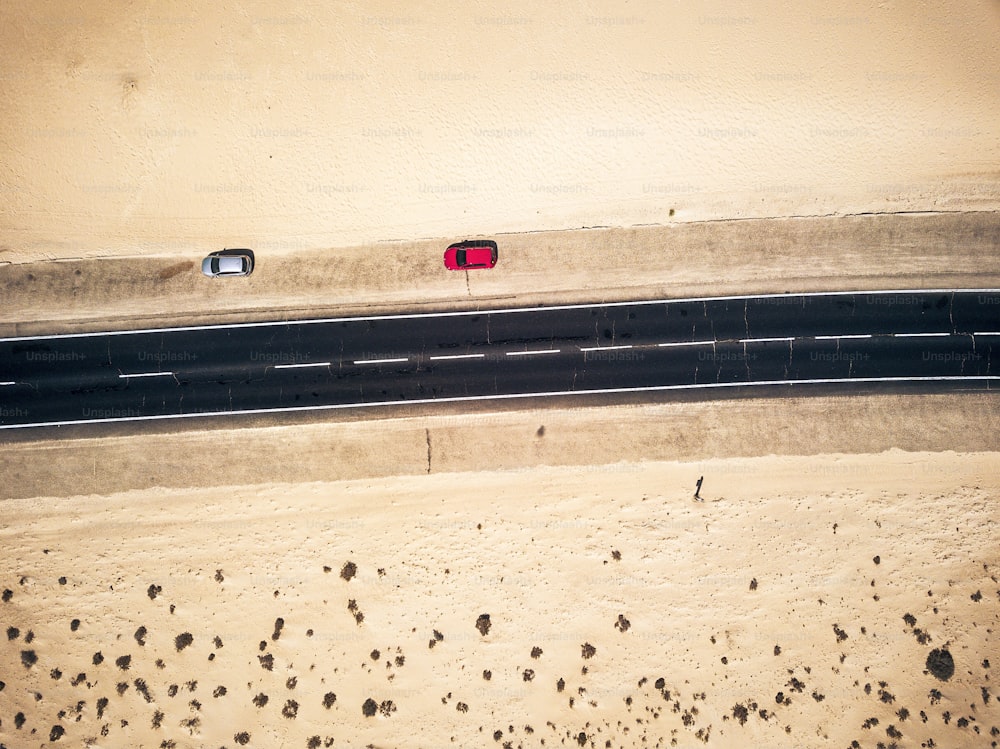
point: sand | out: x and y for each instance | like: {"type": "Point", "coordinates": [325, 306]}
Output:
{"type": "Point", "coordinates": [165, 130]}
{"type": "Point", "coordinates": [794, 606]}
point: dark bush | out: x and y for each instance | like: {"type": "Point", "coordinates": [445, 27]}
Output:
{"type": "Point", "coordinates": [483, 624]}
{"type": "Point", "coordinates": [741, 713]}
{"type": "Point", "coordinates": [941, 664]}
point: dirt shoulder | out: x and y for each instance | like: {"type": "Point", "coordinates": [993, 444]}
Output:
{"type": "Point", "coordinates": [602, 264]}
{"type": "Point", "coordinates": [603, 440]}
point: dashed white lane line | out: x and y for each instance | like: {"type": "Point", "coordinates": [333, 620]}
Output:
{"type": "Point", "coordinates": [605, 348]}
{"type": "Point", "coordinates": [532, 353]}
{"type": "Point", "coordinates": [446, 357]}
{"type": "Point", "coordinates": [687, 343]}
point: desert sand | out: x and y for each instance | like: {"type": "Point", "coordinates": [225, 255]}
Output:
{"type": "Point", "coordinates": [797, 606]}
{"type": "Point", "coordinates": [519, 576]}
{"type": "Point", "coordinates": [185, 128]}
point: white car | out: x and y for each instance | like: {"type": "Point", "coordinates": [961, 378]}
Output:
{"type": "Point", "coordinates": [228, 263]}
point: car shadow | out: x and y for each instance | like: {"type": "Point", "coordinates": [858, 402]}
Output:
{"type": "Point", "coordinates": [235, 251]}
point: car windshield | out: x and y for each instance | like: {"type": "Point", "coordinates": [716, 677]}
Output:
{"type": "Point", "coordinates": [460, 257]}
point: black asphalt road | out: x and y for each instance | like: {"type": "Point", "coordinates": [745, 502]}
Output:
{"type": "Point", "coordinates": [944, 338]}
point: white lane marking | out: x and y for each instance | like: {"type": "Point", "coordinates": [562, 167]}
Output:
{"type": "Point", "coordinates": [145, 374]}
{"type": "Point", "coordinates": [605, 348]}
{"type": "Point", "coordinates": [531, 353]}
{"type": "Point", "coordinates": [986, 332]}
{"type": "Point", "coordinates": [511, 310]}
{"type": "Point", "coordinates": [510, 396]}
{"type": "Point", "coordinates": [688, 343]}
{"type": "Point", "coordinates": [379, 361]}
{"type": "Point", "coordinates": [294, 366]}
{"type": "Point", "coordinates": [445, 357]}
{"type": "Point", "coordinates": [765, 340]}
{"type": "Point", "coordinates": [8, 383]}
{"type": "Point", "coordinates": [841, 337]}
{"type": "Point", "coordinates": [920, 335]}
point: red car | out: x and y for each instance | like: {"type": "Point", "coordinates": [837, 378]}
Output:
{"type": "Point", "coordinates": [471, 254]}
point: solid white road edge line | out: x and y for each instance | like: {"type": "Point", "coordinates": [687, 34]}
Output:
{"type": "Point", "coordinates": [419, 315]}
{"type": "Point", "coordinates": [510, 396]}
